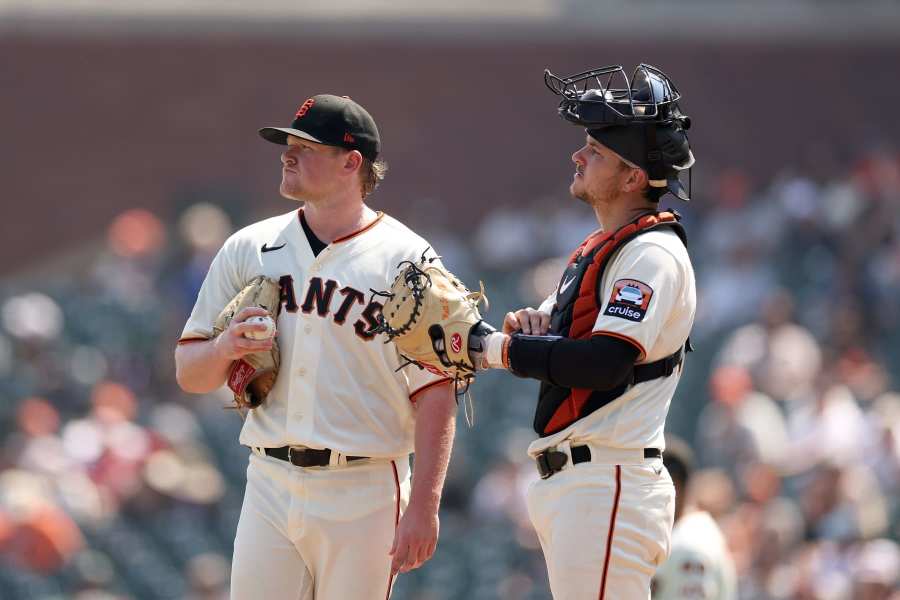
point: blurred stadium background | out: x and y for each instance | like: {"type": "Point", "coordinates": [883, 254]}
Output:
{"type": "Point", "coordinates": [128, 153]}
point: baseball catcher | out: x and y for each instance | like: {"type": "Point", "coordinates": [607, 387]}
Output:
{"type": "Point", "coordinates": [252, 377]}
{"type": "Point", "coordinates": [608, 343]}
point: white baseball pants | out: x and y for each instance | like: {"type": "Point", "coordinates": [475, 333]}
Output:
{"type": "Point", "coordinates": [318, 533]}
{"type": "Point", "coordinates": [605, 525]}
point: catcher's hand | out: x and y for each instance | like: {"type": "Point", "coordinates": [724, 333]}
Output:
{"type": "Point", "coordinates": [255, 367]}
{"type": "Point", "coordinates": [529, 321]}
{"type": "Point", "coordinates": [433, 319]}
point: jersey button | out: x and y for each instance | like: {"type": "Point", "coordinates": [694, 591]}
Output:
{"type": "Point", "coordinates": [308, 329]}
{"type": "Point", "coordinates": [301, 371]}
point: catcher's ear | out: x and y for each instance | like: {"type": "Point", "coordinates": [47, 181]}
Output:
{"type": "Point", "coordinates": [635, 179]}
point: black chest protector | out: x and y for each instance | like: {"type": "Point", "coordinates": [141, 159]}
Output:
{"type": "Point", "coordinates": [578, 303]}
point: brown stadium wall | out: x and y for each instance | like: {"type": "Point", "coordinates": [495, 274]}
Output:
{"type": "Point", "coordinates": [93, 126]}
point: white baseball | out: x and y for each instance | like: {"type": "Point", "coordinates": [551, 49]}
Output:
{"type": "Point", "coordinates": [261, 335]}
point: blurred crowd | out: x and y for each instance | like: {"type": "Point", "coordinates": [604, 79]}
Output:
{"type": "Point", "coordinates": [115, 484]}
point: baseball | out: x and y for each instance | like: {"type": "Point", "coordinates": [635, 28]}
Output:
{"type": "Point", "coordinates": [261, 335]}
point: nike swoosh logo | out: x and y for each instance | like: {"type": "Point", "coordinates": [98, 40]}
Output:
{"type": "Point", "coordinates": [565, 285]}
{"type": "Point", "coordinates": [266, 248]}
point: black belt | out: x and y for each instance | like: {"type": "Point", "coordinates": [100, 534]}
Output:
{"type": "Point", "coordinates": [305, 457]}
{"type": "Point", "coordinates": [552, 461]}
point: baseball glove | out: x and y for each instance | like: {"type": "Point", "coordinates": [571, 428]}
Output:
{"type": "Point", "coordinates": [252, 377]}
{"type": "Point", "coordinates": [433, 319]}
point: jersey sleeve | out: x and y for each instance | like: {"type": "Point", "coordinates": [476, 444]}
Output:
{"type": "Point", "coordinates": [222, 283]}
{"type": "Point", "coordinates": [640, 289]}
{"type": "Point", "coordinates": [420, 380]}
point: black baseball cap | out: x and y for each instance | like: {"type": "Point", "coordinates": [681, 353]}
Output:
{"type": "Point", "coordinates": [331, 120]}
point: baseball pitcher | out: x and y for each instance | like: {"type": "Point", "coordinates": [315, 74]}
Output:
{"type": "Point", "coordinates": [285, 317]}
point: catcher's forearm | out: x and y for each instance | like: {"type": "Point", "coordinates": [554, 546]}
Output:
{"type": "Point", "coordinates": [600, 363]}
{"type": "Point", "coordinates": [199, 369]}
{"type": "Point", "coordinates": [435, 427]}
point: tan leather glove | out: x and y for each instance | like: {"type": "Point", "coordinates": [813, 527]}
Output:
{"type": "Point", "coordinates": [252, 377]}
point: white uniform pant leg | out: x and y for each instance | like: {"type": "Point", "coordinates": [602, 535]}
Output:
{"type": "Point", "coordinates": [604, 529]}
{"type": "Point", "coordinates": [266, 563]}
{"type": "Point", "coordinates": [350, 519]}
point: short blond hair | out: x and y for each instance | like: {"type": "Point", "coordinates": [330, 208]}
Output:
{"type": "Point", "coordinates": [372, 173]}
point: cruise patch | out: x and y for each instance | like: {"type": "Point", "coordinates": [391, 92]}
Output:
{"type": "Point", "coordinates": [629, 300]}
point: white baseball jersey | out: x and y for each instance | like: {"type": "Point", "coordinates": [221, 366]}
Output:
{"type": "Point", "coordinates": [700, 566]}
{"type": "Point", "coordinates": [649, 299]}
{"type": "Point", "coordinates": [338, 386]}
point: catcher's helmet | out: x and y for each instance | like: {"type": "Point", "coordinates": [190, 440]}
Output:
{"type": "Point", "coordinates": [641, 120]}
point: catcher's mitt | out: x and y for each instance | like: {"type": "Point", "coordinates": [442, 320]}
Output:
{"type": "Point", "coordinates": [252, 377]}
{"type": "Point", "coordinates": [433, 319]}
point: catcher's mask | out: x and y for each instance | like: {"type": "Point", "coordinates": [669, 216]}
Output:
{"type": "Point", "coordinates": [638, 119]}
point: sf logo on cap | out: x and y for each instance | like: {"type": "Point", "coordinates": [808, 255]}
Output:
{"type": "Point", "coordinates": [305, 107]}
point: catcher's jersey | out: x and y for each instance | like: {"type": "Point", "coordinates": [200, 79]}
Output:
{"type": "Point", "coordinates": [338, 386]}
{"type": "Point", "coordinates": [649, 299]}
{"type": "Point", "coordinates": [700, 566]}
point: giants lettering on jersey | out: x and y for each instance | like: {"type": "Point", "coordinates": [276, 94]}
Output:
{"type": "Point", "coordinates": [320, 297]}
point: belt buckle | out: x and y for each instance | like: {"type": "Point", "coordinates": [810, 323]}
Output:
{"type": "Point", "coordinates": [291, 456]}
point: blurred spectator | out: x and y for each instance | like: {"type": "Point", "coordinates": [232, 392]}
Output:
{"type": "Point", "coordinates": [203, 228]}
{"type": "Point", "coordinates": [740, 426]}
{"type": "Point", "coordinates": [699, 563]}
{"type": "Point", "coordinates": [32, 315]}
{"type": "Point", "coordinates": [783, 356]}
{"type": "Point", "coordinates": [876, 570]}
{"type": "Point", "coordinates": [208, 576]}
{"type": "Point", "coordinates": [500, 235]}
{"type": "Point", "coordinates": [830, 428]}
{"type": "Point", "coordinates": [35, 533]}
